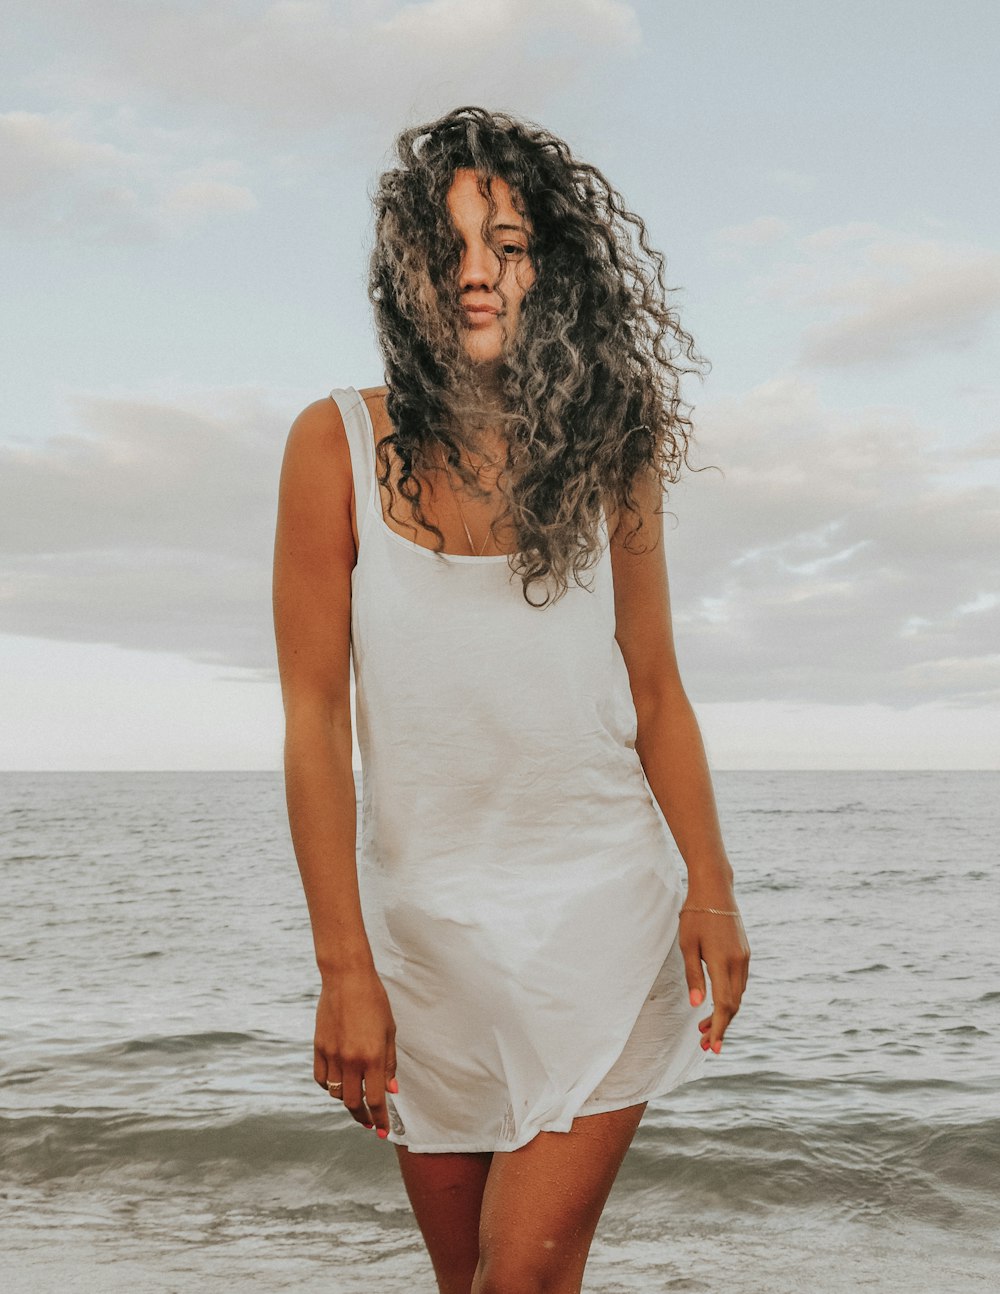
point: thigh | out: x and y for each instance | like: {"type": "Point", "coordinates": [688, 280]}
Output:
{"type": "Point", "coordinates": [445, 1192]}
{"type": "Point", "coordinates": [543, 1201]}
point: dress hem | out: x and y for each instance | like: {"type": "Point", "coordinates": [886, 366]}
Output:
{"type": "Point", "coordinates": [688, 1074]}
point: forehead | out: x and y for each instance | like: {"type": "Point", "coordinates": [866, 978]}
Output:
{"type": "Point", "coordinates": [464, 199]}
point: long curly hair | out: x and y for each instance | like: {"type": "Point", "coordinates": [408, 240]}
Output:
{"type": "Point", "coordinates": [587, 391]}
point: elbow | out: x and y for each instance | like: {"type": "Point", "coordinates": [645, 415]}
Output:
{"type": "Point", "coordinates": [659, 689]}
{"type": "Point", "coordinates": [309, 723]}
{"type": "Point", "coordinates": [660, 701]}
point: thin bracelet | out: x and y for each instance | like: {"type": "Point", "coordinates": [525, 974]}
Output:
{"type": "Point", "coordinates": [719, 912]}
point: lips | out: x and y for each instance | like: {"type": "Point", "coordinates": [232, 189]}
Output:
{"type": "Point", "coordinates": [480, 311]}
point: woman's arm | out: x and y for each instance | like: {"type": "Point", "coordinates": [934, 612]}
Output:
{"type": "Point", "coordinates": [670, 746]}
{"type": "Point", "coordinates": [314, 554]}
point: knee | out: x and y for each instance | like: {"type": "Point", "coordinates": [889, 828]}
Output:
{"type": "Point", "coordinates": [523, 1273]}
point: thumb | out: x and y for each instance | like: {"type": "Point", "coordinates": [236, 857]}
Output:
{"type": "Point", "coordinates": [695, 978]}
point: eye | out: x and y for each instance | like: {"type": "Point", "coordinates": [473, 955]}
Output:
{"type": "Point", "coordinates": [513, 249]}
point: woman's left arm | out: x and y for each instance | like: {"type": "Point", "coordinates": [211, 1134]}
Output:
{"type": "Point", "coordinates": [670, 747]}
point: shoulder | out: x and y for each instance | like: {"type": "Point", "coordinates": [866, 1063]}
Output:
{"type": "Point", "coordinates": [642, 522]}
{"type": "Point", "coordinates": [317, 456]}
{"type": "Point", "coordinates": [318, 431]}
{"type": "Point", "coordinates": [319, 420]}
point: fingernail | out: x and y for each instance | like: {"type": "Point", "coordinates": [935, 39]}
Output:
{"type": "Point", "coordinates": [697, 997]}
{"type": "Point", "coordinates": [368, 1125]}
{"type": "Point", "coordinates": [383, 1133]}
{"type": "Point", "coordinates": [392, 1086]}
{"type": "Point", "coordinates": [717, 1046]}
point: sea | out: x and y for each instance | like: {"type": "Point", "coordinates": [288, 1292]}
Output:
{"type": "Point", "coordinates": [161, 1129]}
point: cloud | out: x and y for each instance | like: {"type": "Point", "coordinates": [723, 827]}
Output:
{"type": "Point", "coordinates": [885, 298]}
{"type": "Point", "coordinates": [836, 561]}
{"type": "Point", "coordinates": [57, 178]}
{"type": "Point", "coordinates": [835, 236]}
{"type": "Point", "coordinates": [302, 65]}
{"type": "Point", "coordinates": [152, 528]}
{"type": "Point", "coordinates": [941, 301]}
{"type": "Point", "coordinates": [245, 76]}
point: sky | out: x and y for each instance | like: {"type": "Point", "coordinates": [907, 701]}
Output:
{"type": "Point", "coordinates": [185, 219]}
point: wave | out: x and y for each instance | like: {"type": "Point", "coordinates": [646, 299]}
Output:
{"type": "Point", "coordinates": [854, 1165]}
{"type": "Point", "coordinates": [123, 1053]}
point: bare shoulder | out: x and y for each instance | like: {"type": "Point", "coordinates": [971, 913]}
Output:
{"type": "Point", "coordinates": [317, 485]}
{"type": "Point", "coordinates": [315, 552]}
{"type": "Point", "coordinates": [319, 428]}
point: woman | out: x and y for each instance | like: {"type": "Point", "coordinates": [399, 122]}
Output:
{"type": "Point", "coordinates": [507, 972]}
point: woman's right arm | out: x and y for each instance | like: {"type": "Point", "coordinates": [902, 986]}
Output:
{"type": "Point", "coordinates": [314, 554]}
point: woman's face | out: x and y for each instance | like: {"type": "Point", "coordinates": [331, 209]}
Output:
{"type": "Point", "coordinates": [488, 319]}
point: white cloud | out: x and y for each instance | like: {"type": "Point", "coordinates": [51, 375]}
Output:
{"type": "Point", "coordinates": [153, 529]}
{"type": "Point", "coordinates": [840, 560]}
{"type": "Point", "coordinates": [293, 67]}
{"type": "Point", "coordinates": [192, 199]}
{"type": "Point", "coordinates": [248, 76]}
{"type": "Point", "coordinates": [834, 236]}
{"type": "Point", "coordinates": [884, 298]}
{"type": "Point", "coordinates": [834, 562]}
{"type": "Point", "coordinates": [938, 303]}
{"type": "Point", "coordinates": [57, 178]}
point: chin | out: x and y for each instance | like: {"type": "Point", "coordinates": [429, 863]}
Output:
{"type": "Point", "coordinates": [488, 356]}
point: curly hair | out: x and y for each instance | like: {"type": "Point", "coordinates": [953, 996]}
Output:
{"type": "Point", "coordinates": [587, 392]}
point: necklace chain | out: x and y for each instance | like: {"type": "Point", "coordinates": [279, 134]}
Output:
{"type": "Point", "coordinates": [465, 524]}
{"type": "Point", "coordinates": [468, 535]}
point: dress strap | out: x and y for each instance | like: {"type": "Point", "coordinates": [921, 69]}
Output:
{"type": "Point", "coordinates": [358, 427]}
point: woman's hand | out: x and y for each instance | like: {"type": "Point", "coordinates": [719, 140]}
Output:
{"type": "Point", "coordinates": [721, 943]}
{"type": "Point", "coordinates": [355, 1045]}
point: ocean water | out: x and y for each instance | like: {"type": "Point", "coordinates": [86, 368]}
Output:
{"type": "Point", "coordinates": [161, 1128]}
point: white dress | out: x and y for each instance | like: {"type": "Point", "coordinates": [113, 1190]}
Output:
{"type": "Point", "coordinates": [519, 885]}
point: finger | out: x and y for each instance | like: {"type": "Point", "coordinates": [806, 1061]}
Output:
{"type": "Point", "coordinates": [319, 1067]}
{"type": "Point", "coordinates": [723, 1013]}
{"type": "Point", "coordinates": [375, 1100]}
{"type": "Point", "coordinates": [354, 1095]}
{"type": "Point", "coordinates": [695, 977]}
{"type": "Point", "coordinates": [390, 1066]}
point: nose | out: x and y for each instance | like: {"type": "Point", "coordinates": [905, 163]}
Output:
{"type": "Point", "coordinates": [480, 267]}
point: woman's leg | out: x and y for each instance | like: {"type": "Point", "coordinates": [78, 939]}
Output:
{"type": "Point", "coordinates": [445, 1192]}
{"type": "Point", "coordinates": [542, 1203]}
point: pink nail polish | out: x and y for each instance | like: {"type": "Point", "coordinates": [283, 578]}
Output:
{"type": "Point", "coordinates": [383, 1132]}
{"type": "Point", "coordinates": [392, 1086]}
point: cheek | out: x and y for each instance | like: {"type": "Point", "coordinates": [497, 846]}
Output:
{"type": "Point", "coordinates": [523, 279]}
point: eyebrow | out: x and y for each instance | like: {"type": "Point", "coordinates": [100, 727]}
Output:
{"type": "Point", "coordinates": [521, 229]}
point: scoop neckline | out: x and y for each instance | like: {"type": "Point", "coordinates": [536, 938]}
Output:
{"type": "Point", "coordinates": [375, 507]}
